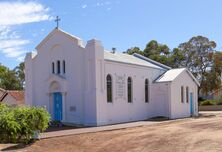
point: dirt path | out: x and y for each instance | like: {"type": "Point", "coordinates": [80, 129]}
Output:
{"type": "Point", "coordinates": [194, 135]}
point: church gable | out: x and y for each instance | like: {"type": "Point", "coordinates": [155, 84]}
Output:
{"type": "Point", "coordinates": [58, 32]}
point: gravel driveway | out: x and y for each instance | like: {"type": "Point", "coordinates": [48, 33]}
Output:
{"type": "Point", "coordinates": [191, 135]}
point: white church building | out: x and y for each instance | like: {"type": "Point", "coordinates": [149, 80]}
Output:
{"type": "Point", "coordinates": [87, 85]}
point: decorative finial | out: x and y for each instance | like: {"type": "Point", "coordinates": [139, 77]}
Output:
{"type": "Point", "coordinates": [57, 21]}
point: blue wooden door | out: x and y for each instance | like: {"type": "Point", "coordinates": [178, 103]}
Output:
{"type": "Point", "coordinates": [57, 98]}
{"type": "Point", "coordinates": [191, 103]}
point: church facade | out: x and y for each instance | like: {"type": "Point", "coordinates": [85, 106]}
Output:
{"type": "Point", "coordinates": [87, 85]}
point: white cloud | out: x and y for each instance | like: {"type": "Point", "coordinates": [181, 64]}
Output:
{"type": "Point", "coordinates": [4, 44]}
{"type": "Point", "coordinates": [13, 47]}
{"type": "Point", "coordinates": [99, 4]}
{"type": "Point", "coordinates": [13, 13]}
{"type": "Point", "coordinates": [18, 13]}
{"type": "Point", "coordinates": [21, 58]}
{"type": "Point", "coordinates": [13, 52]}
{"type": "Point", "coordinates": [84, 6]}
{"type": "Point", "coordinates": [108, 9]}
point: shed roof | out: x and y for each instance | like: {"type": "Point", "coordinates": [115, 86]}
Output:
{"type": "Point", "coordinates": [129, 59]}
{"type": "Point", "coordinates": [172, 74]}
{"type": "Point", "coordinates": [18, 95]}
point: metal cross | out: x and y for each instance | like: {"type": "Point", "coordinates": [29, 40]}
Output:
{"type": "Point", "coordinates": [57, 21]}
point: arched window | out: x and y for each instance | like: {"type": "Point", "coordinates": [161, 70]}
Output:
{"type": "Point", "coordinates": [58, 67]}
{"type": "Point", "coordinates": [146, 90]}
{"type": "Point", "coordinates": [109, 87]}
{"type": "Point", "coordinates": [53, 67]}
{"type": "Point", "coordinates": [129, 89]}
{"type": "Point", "coordinates": [187, 94]}
{"type": "Point", "coordinates": [64, 66]}
{"type": "Point", "coordinates": [182, 94]}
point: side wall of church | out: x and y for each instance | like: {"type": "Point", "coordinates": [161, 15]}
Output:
{"type": "Point", "coordinates": [119, 110]}
{"type": "Point", "coordinates": [181, 109]}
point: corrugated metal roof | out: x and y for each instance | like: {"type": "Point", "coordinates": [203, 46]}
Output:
{"type": "Point", "coordinates": [152, 61]}
{"type": "Point", "coordinates": [130, 59]}
{"type": "Point", "coordinates": [170, 75]}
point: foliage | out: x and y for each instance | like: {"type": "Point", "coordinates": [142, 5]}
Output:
{"type": "Point", "coordinates": [134, 50]}
{"type": "Point", "coordinates": [208, 102]}
{"type": "Point", "coordinates": [200, 99]}
{"type": "Point", "coordinates": [197, 54]}
{"type": "Point", "coordinates": [219, 100]}
{"type": "Point", "coordinates": [9, 79]}
{"type": "Point", "coordinates": [19, 72]}
{"type": "Point", "coordinates": [213, 74]}
{"type": "Point", "coordinates": [158, 52]}
{"type": "Point", "coordinates": [212, 102]}
{"type": "Point", "coordinates": [18, 124]}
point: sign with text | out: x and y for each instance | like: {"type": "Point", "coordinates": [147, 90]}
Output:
{"type": "Point", "coordinates": [120, 86]}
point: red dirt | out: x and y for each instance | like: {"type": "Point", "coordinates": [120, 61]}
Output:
{"type": "Point", "coordinates": [193, 135]}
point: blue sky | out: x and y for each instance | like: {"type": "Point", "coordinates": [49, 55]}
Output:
{"type": "Point", "coordinates": [117, 23]}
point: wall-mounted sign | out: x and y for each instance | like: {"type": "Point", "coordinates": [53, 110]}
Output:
{"type": "Point", "coordinates": [120, 86]}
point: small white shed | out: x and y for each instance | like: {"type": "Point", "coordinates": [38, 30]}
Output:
{"type": "Point", "coordinates": [179, 93]}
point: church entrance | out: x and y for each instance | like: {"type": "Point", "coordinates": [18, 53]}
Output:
{"type": "Point", "coordinates": [57, 106]}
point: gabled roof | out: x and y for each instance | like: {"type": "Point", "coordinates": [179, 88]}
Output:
{"type": "Point", "coordinates": [172, 74]}
{"type": "Point", "coordinates": [130, 59]}
{"type": "Point", "coordinates": [4, 93]}
{"type": "Point", "coordinates": [151, 61]}
{"type": "Point", "coordinates": [16, 94]}
{"type": "Point", "coordinates": [55, 31]}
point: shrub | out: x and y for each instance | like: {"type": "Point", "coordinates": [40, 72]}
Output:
{"type": "Point", "coordinates": [219, 100]}
{"type": "Point", "coordinates": [208, 102]}
{"type": "Point", "coordinates": [200, 99]}
{"type": "Point", "coordinates": [18, 124]}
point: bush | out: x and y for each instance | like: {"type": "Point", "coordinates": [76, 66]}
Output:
{"type": "Point", "coordinates": [219, 102]}
{"type": "Point", "coordinates": [208, 102]}
{"type": "Point", "coordinates": [18, 124]}
{"type": "Point", "coordinates": [200, 99]}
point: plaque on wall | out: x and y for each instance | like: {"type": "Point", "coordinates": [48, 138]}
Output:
{"type": "Point", "coordinates": [120, 86]}
{"type": "Point", "coordinates": [72, 108]}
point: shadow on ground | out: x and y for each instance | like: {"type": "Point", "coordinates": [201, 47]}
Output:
{"type": "Point", "coordinates": [17, 146]}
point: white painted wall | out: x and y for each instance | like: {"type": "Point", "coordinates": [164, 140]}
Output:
{"type": "Point", "coordinates": [179, 109]}
{"type": "Point", "coordinates": [83, 86]}
{"type": "Point", "coordinates": [161, 98]}
{"type": "Point", "coordinates": [57, 47]}
{"type": "Point", "coordinates": [94, 84]}
{"type": "Point", "coordinates": [120, 110]}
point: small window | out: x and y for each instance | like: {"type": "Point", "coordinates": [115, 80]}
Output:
{"type": "Point", "coordinates": [146, 90]}
{"type": "Point", "coordinates": [64, 66]}
{"type": "Point", "coordinates": [182, 94]}
{"type": "Point", "coordinates": [53, 67]}
{"type": "Point", "coordinates": [187, 94]}
{"type": "Point", "coordinates": [109, 88]}
{"type": "Point", "coordinates": [58, 67]}
{"type": "Point", "coordinates": [129, 89]}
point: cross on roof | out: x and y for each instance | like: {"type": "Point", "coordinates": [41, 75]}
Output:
{"type": "Point", "coordinates": [57, 21]}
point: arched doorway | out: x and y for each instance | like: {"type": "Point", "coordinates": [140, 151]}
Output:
{"type": "Point", "coordinates": [57, 106]}
{"type": "Point", "coordinates": [57, 103]}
